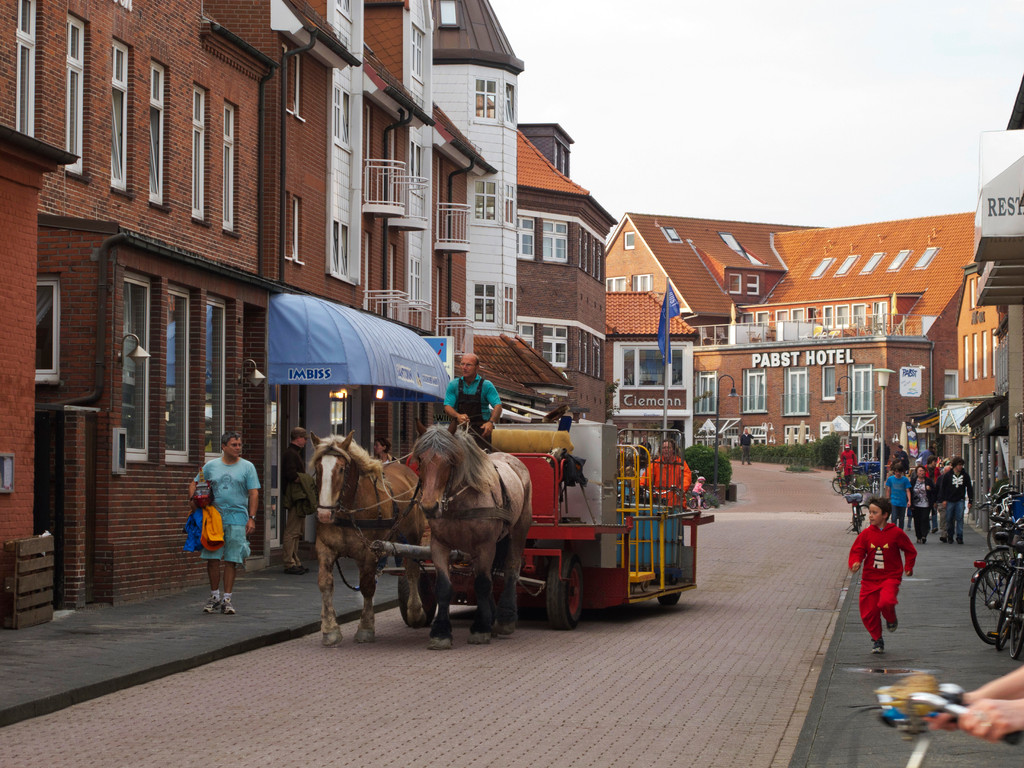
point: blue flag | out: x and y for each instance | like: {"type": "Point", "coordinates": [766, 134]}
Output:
{"type": "Point", "coordinates": [669, 309]}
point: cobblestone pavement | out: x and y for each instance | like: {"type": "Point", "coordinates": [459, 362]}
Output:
{"type": "Point", "coordinates": [725, 678]}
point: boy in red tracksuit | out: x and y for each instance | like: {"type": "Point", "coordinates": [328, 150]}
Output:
{"type": "Point", "coordinates": [878, 548]}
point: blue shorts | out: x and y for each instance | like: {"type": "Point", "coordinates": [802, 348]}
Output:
{"type": "Point", "coordinates": [235, 549]}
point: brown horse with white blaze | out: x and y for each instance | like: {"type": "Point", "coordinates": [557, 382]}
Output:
{"type": "Point", "coordinates": [360, 500]}
{"type": "Point", "coordinates": [473, 501]}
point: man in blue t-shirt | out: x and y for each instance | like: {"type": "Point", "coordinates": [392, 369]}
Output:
{"type": "Point", "coordinates": [471, 399]}
{"type": "Point", "coordinates": [236, 496]}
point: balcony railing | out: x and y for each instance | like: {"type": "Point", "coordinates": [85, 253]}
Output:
{"type": "Point", "coordinates": [813, 331]}
{"type": "Point", "coordinates": [383, 182]}
{"type": "Point", "coordinates": [413, 192]}
{"type": "Point", "coordinates": [460, 329]}
{"type": "Point", "coordinates": [397, 305]}
{"type": "Point", "coordinates": [452, 230]}
{"type": "Point", "coordinates": [796, 404]}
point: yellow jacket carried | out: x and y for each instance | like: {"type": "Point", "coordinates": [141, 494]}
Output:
{"type": "Point", "coordinates": [213, 529]}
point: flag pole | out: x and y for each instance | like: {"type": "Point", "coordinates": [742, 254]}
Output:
{"type": "Point", "coordinates": [667, 358]}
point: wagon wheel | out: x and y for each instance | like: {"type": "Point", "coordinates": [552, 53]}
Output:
{"type": "Point", "coordinates": [564, 594]}
{"type": "Point", "coordinates": [426, 597]}
{"type": "Point", "coordinates": [669, 599]}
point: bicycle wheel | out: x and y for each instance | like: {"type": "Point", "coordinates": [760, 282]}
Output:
{"type": "Point", "coordinates": [837, 485]}
{"type": "Point", "coordinates": [1017, 626]}
{"type": "Point", "coordinates": [986, 597]}
{"type": "Point", "coordinates": [1003, 624]}
{"type": "Point", "coordinates": [858, 519]}
{"type": "Point", "coordinates": [1001, 554]}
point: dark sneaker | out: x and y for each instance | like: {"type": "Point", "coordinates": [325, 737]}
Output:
{"type": "Point", "coordinates": [879, 646]}
{"type": "Point", "coordinates": [943, 539]}
{"type": "Point", "coordinates": [296, 570]}
{"type": "Point", "coordinates": [935, 530]}
{"type": "Point", "coordinates": [212, 605]}
{"type": "Point", "coordinates": [891, 625]}
{"type": "Point", "coordinates": [227, 607]}
{"type": "Point", "coordinates": [959, 541]}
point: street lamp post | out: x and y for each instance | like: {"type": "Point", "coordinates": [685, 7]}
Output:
{"type": "Point", "coordinates": [883, 382]}
{"type": "Point", "coordinates": [849, 404]}
{"type": "Point", "coordinates": [732, 393]}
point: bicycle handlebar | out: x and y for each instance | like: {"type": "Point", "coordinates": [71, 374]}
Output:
{"type": "Point", "coordinates": [908, 713]}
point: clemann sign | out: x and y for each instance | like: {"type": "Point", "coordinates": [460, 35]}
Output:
{"type": "Point", "coordinates": [647, 399]}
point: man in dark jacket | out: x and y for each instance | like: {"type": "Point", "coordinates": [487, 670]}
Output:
{"type": "Point", "coordinates": [745, 441]}
{"type": "Point", "coordinates": [955, 491]}
{"type": "Point", "coordinates": [293, 463]}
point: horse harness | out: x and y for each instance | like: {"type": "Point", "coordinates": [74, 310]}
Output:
{"type": "Point", "coordinates": [503, 513]}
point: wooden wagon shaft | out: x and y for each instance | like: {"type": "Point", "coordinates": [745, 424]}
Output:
{"type": "Point", "coordinates": [413, 551]}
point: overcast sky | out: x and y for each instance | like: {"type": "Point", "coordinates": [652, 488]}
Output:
{"type": "Point", "coordinates": [795, 112]}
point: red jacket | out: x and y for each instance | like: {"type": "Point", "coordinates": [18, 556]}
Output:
{"type": "Point", "coordinates": [849, 460]}
{"type": "Point", "coordinates": [880, 550]}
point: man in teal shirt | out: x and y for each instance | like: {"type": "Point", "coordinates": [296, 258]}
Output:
{"type": "Point", "coordinates": [471, 399]}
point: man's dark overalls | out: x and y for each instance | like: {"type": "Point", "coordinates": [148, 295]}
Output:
{"type": "Point", "coordinates": [473, 406]}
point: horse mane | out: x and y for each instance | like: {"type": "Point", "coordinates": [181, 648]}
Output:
{"type": "Point", "coordinates": [470, 464]}
{"type": "Point", "coordinates": [358, 456]}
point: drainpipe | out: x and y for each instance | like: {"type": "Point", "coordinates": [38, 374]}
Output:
{"type": "Point", "coordinates": [403, 120]}
{"type": "Point", "coordinates": [261, 192]}
{"type": "Point", "coordinates": [100, 363]}
{"type": "Point", "coordinates": [448, 255]}
{"type": "Point", "coordinates": [282, 203]}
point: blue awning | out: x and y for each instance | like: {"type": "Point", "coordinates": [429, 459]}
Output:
{"type": "Point", "coordinates": [313, 341]}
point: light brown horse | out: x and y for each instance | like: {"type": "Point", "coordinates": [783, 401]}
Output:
{"type": "Point", "coordinates": [473, 500]}
{"type": "Point", "coordinates": [360, 500]}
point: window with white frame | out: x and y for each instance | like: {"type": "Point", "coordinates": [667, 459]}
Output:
{"type": "Point", "coordinates": [753, 284]}
{"type": "Point", "coordinates": [215, 376]}
{"type": "Point", "coordinates": [484, 302]}
{"type": "Point", "coordinates": [156, 133]}
{"type": "Point", "coordinates": [595, 358]}
{"type": "Point", "coordinates": [339, 249]}
{"type": "Point", "coordinates": [295, 86]}
{"type": "Point", "coordinates": [415, 276]}
{"type": "Point", "coordinates": [847, 264]}
{"type": "Point", "coordinates": [485, 202]}
{"type": "Point", "coordinates": [796, 397]}
{"type": "Point", "coordinates": [555, 344]}
{"type": "Point", "coordinates": [448, 14]}
{"type": "Point", "coordinates": [863, 393]}
{"type": "Point", "coordinates": [842, 315]}
{"type": "Point", "coordinates": [645, 367]}
{"type": "Point", "coordinates": [826, 316]}
{"type": "Point", "coordinates": [984, 353]}
{"type": "Point", "coordinates": [628, 367]}
{"type": "Point", "coordinates": [615, 284]}
{"type": "Point", "coordinates": [340, 116]}
{"type": "Point", "coordinates": [898, 260]}
{"type": "Point", "coordinates": [973, 285]}
{"type": "Point", "coordinates": [526, 330]}
{"type": "Point", "coordinates": [510, 103]}
{"type": "Point", "coordinates": [228, 168]}
{"type": "Point", "coordinates": [828, 382]}
{"type": "Point", "coordinates": [869, 267]}
{"type": "Point", "coordinates": [47, 330]}
{"type": "Point", "coordinates": [198, 153]}
{"type": "Point", "coordinates": [967, 357]}
{"type": "Point", "coordinates": [556, 241]}
{"type": "Point", "coordinates": [135, 373]}
{"type": "Point", "coordinates": [643, 282]}
{"type": "Point", "coordinates": [119, 116]}
{"type": "Point", "coordinates": [735, 282]}
{"type": "Point", "coordinates": [343, 7]}
{"type": "Point", "coordinates": [793, 433]}
{"type": "Point", "coordinates": [510, 305]}
{"type": "Point", "coordinates": [415, 157]}
{"type": "Point", "coordinates": [25, 100]}
{"type": "Point", "coordinates": [176, 400]}
{"type": "Point", "coordinates": [859, 316]}
{"type": "Point", "coordinates": [671, 235]}
{"type": "Point", "coordinates": [879, 310]}
{"type": "Point", "coordinates": [822, 267]}
{"type": "Point", "coordinates": [524, 237]}
{"type": "Point", "coordinates": [294, 227]}
{"type": "Point", "coordinates": [781, 315]}
{"type": "Point", "coordinates": [486, 98]}
{"type": "Point", "coordinates": [755, 390]}
{"type": "Point", "coordinates": [583, 352]}
{"type": "Point", "coordinates": [974, 347]}
{"type": "Point", "coordinates": [761, 317]}
{"type": "Point", "coordinates": [74, 100]}
{"type": "Point", "coordinates": [510, 204]}
{"type": "Point", "coordinates": [705, 396]}
{"type": "Point", "coordinates": [629, 240]}
{"type": "Point", "coordinates": [950, 385]}
{"type": "Point", "coordinates": [797, 314]}
{"type": "Point", "coordinates": [417, 53]}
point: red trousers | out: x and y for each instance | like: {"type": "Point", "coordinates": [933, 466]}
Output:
{"type": "Point", "coordinates": [878, 597]}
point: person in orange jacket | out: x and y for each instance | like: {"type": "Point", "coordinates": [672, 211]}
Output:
{"type": "Point", "coordinates": [669, 476]}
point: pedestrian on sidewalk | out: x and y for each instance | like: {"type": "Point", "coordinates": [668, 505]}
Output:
{"type": "Point", "coordinates": [932, 470]}
{"type": "Point", "coordinates": [236, 492]}
{"type": "Point", "coordinates": [897, 491]}
{"type": "Point", "coordinates": [922, 498]}
{"type": "Point", "coordinates": [878, 548]}
{"type": "Point", "coordinates": [994, 710]}
{"type": "Point", "coordinates": [299, 486]}
{"type": "Point", "coordinates": [955, 489]}
{"type": "Point", "coordinates": [745, 441]}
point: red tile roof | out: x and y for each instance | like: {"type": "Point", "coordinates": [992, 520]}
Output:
{"type": "Point", "coordinates": [637, 313]}
{"type": "Point", "coordinates": [516, 365]}
{"type": "Point", "coordinates": [537, 172]}
{"type": "Point", "coordinates": [805, 249]}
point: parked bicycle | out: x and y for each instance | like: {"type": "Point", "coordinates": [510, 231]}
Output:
{"type": "Point", "coordinates": [1010, 626]}
{"type": "Point", "coordinates": [857, 511]}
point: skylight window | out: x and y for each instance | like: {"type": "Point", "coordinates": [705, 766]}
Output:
{"type": "Point", "coordinates": [899, 261]}
{"type": "Point", "coordinates": [448, 17]}
{"type": "Point", "coordinates": [847, 264]}
{"type": "Point", "coordinates": [671, 235]}
{"type": "Point", "coordinates": [872, 262]}
{"type": "Point", "coordinates": [926, 258]}
{"type": "Point", "coordinates": [734, 244]}
{"type": "Point", "coordinates": [820, 270]}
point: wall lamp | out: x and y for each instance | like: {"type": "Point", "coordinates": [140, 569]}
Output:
{"type": "Point", "coordinates": [138, 353]}
{"type": "Point", "coordinates": [256, 377]}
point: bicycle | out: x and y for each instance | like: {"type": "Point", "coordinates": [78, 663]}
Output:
{"type": "Point", "coordinates": [843, 485]}
{"type": "Point", "coordinates": [986, 595]}
{"type": "Point", "coordinates": [857, 514]}
{"type": "Point", "coordinates": [1010, 627]}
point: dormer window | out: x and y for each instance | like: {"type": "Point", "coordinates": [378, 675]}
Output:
{"type": "Point", "coordinates": [898, 262]}
{"type": "Point", "coordinates": [671, 235]}
{"type": "Point", "coordinates": [820, 269]}
{"type": "Point", "coordinates": [872, 263]}
{"type": "Point", "coordinates": [847, 264]}
{"type": "Point", "coordinates": [448, 16]}
{"type": "Point", "coordinates": [926, 258]}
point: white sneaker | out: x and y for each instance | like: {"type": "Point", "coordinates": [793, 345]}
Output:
{"type": "Point", "coordinates": [212, 605]}
{"type": "Point", "coordinates": [227, 607]}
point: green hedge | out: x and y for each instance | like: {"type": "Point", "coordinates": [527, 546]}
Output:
{"type": "Point", "coordinates": [701, 459]}
{"type": "Point", "coordinates": [817, 453]}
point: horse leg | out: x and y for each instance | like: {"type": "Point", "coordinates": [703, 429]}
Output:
{"type": "Point", "coordinates": [329, 630]}
{"type": "Point", "coordinates": [367, 588]}
{"type": "Point", "coordinates": [441, 629]}
{"type": "Point", "coordinates": [483, 619]}
{"type": "Point", "coordinates": [508, 610]}
{"type": "Point", "coordinates": [416, 616]}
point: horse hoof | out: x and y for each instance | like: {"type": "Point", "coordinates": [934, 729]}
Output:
{"type": "Point", "coordinates": [439, 644]}
{"type": "Point", "coordinates": [479, 638]}
{"type": "Point", "coordinates": [365, 636]}
{"type": "Point", "coordinates": [500, 628]}
{"type": "Point", "coordinates": [331, 639]}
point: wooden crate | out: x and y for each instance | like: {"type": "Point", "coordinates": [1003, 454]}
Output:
{"type": "Point", "coordinates": [32, 582]}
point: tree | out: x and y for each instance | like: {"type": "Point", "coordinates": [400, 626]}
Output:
{"type": "Point", "coordinates": [701, 459]}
